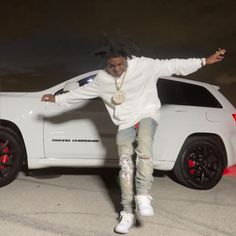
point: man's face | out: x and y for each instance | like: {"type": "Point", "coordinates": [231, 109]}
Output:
{"type": "Point", "coordinates": [116, 66]}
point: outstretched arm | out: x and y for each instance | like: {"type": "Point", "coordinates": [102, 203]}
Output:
{"type": "Point", "coordinates": [88, 91]}
{"type": "Point", "coordinates": [187, 66]}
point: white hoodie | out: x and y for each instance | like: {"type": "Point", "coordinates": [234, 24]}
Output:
{"type": "Point", "coordinates": [139, 86]}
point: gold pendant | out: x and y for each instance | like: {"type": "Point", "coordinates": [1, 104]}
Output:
{"type": "Point", "coordinates": [118, 97]}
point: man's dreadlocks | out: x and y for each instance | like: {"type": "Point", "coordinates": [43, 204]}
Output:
{"type": "Point", "coordinates": [115, 47]}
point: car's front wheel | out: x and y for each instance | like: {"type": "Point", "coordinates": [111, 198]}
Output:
{"type": "Point", "coordinates": [11, 155]}
{"type": "Point", "coordinates": [200, 163]}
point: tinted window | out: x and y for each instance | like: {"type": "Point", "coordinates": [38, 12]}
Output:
{"type": "Point", "coordinates": [180, 93]}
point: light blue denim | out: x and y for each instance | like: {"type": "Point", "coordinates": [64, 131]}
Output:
{"type": "Point", "coordinates": [136, 180]}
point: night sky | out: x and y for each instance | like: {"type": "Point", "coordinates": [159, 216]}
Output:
{"type": "Point", "coordinates": [49, 41]}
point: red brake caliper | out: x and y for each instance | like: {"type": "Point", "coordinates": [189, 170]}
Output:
{"type": "Point", "coordinates": [4, 158]}
{"type": "Point", "coordinates": [191, 163]}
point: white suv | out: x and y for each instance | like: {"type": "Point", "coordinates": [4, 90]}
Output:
{"type": "Point", "coordinates": [195, 139]}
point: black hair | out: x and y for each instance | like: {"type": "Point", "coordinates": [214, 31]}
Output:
{"type": "Point", "coordinates": [115, 47]}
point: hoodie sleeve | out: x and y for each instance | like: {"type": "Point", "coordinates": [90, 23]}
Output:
{"type": "Point", "coordinates": [88, 91]}
{"type": "Point", "coordinates": [178, 66]}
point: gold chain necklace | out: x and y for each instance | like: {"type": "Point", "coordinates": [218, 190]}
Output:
{"type": "Point", "coordinates": [119, 95]}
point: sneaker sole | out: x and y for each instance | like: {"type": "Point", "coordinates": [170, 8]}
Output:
{"type": "Point", "coordinates": [125, 232]}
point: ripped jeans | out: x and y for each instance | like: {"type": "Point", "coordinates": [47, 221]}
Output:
{"type": "Point", "coordinates": [132, 183]}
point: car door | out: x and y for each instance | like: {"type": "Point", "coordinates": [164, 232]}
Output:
{"type": "Point", "coordinates": [183, 112]}
{"type": "Point", "coordinates": [82, 131]}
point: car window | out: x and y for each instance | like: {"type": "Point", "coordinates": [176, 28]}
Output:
{"type": "Point", "coordinates": [181, 93]}
{"type": "Point", "coordinates": [81, 83]}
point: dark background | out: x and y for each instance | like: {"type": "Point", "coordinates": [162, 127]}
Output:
{"type": "Point", "coordinates": [49, 41]}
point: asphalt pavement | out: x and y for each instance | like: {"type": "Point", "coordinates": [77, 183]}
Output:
{"type": "Point", "coordinates": [87, 202]}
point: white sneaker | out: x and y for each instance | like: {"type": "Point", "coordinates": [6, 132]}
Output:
{"type": "Point", "coordinates": [143, 205]}
{"type": "Point", "coordinates": [127, 220]}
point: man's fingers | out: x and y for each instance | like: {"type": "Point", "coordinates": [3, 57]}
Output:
{"type": "Point", "coordinates": [220, 51]}
{"type": "Point", "coordinates": [46, 97]}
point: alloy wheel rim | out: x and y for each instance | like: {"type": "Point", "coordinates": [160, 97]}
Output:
{"type": "Point", "coordinates": [202, 164]}
{"type": "Point", "coordinates": [6, 154]}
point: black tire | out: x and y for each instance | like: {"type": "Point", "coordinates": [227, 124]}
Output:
{"type": "Point", "coordinates": [11, 156]}
{"type": "Point", "coordinates": [200, 163]}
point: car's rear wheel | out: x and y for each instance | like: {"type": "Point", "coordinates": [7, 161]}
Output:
{"type": "Point", "coordinates": [200, 163]}
{"type": "Point", "coordinates": [11, 155]}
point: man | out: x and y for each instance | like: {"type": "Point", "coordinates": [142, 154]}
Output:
{"type": "Point", "coordinates": [127, 86]}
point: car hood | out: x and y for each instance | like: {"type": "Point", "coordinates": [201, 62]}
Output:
{"type": "Point", "coordinates": [12, 94]}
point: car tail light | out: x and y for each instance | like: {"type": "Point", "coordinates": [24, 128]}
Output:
{"type": "Point", "coordinates": [234, 116]}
